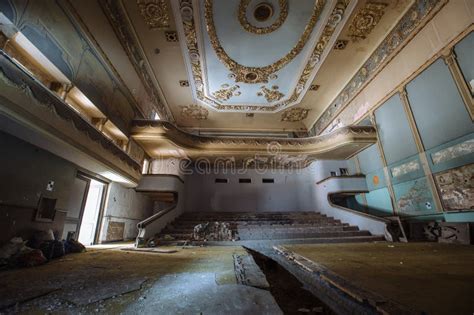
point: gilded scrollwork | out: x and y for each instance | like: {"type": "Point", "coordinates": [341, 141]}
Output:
{"type": "Point", "coordinates": [295, 114]}
{"type": "Point", "coordinates": [365, 20]}
{"type": "Point", "coordinates": [262, 30]}
{"type": "Point", "coordinates": [410, 23]}
{"type": "Point", "coordinates": [226, 92]}
{"type": "Point", "coordinates": [271, 95]}
{"type": "Point", "coordinates": [155, 13]}
{"type": "Point", "coordinates": [189, 29]}
{"type": "Point", "coordinates": [257, 74]}
{"type": "Point", "coordinates": [194, 111]}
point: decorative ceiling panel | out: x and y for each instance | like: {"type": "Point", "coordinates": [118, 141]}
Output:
{"type": "Point", "coordinates": [254, 56]}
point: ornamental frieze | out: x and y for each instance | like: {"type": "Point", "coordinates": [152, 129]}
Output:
{"type": "Point", "coordinates": [365, 20]}
{"type": "Point", "coordinates": [405, 29]}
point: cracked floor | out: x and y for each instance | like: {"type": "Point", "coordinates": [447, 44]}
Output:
{"type": "Point", "coordinates": [112, 281]}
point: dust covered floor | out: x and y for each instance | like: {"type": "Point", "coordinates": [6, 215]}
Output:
{"type": "Point", "coordinates": [190, 281]}
{"type": "Point", "coordinates": [430, 277]}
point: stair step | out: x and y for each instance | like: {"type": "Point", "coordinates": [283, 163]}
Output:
{"type": "Point", "coordinates": [296, 235]}
{"type": "Point", "coordinates": [266, 226]}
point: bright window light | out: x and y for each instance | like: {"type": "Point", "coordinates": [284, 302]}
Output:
{"type": "Point", "coordinates": [156, 116]}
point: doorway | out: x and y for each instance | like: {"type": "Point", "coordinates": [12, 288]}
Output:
{"type": "Point", "coordinates": [85, 209]}
{"type": "Point", "coordinates": [88, 230]}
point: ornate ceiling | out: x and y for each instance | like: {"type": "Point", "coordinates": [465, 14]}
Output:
{"type": "Point", "coordinates": [245, 62]}
{"type": "Point", "coordinates": [260, 66]}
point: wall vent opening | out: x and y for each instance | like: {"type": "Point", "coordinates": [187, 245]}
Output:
{"type": "Point", "coordinates": [268, 180]}
{"type": "Point", "coordinates": [245, 180]}
{"type": "Point", "coordinates": [221, 181]}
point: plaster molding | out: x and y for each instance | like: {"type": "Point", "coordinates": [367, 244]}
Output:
{"type": "Point", "coordinates": [295, 114]}
{"type": "Point", "coordinates": [185, 15]}
{"type": "Point", "coordinates": [123, 28]}
{"type": "Point", "coordinates": [365, 20]}
{"type": "Point", "coordinates": [342, 144]}
{"type": "Point", "coordinates": [262, 30]}
{"type": "Point", "coordinates": [257, 74]}
{"type": "Point", "coordinates": [32, 100]}
{"type": "Point", "coordinates": [154, 13]}
{"type": "Point", "coordinates": [409, 25]}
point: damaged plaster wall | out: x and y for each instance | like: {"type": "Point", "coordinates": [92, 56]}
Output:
{"type": "Point", "coordinates": [25, 171]}
{"type": "Point", "coordinates": [124, 209]}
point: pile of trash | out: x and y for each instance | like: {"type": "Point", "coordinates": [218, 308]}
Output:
{"type": "Point", "coordinates": [214, 231]}
{"type": "Point", "coordinates": [37, 251]}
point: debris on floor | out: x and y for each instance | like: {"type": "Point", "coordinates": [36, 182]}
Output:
{"type": "Point", "coordinates": [214, 231]}
{"type": "Point", "coordinates": [41, 248]}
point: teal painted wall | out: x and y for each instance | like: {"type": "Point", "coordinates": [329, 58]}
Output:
{"type": "Point", "coordinates": [447, 133]}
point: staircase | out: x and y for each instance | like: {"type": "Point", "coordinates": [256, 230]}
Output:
{"type": "Point", "coordinates": [275, 227]}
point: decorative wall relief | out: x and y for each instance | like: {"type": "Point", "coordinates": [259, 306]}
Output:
{"type": "Point", "coordinates": [155, 13]}
{"type": "Point", "coordinates": [453, 152]}
{"type": "Point", "coordinates": [117, 17]}
{"type": "Point", "coordinates": [195, 112]}
{"type": "Point", "coordinates": [295, 114]}
{"type": "Point", "coordinates": [271, 95]}
{"type": "Point", "coordinates": [409, 24]}
{"type": "Point", "coordinates": [456, 188]}
{"type": "Point", "coordinates": [365, 20]}
{"type": "Point", "coordinates": [405, 168]}
{"type": "Point", "coordinates": [226, 92]}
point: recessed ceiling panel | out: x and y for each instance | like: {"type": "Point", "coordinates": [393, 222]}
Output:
{"type": "Point", "coordinates": [255, 55]}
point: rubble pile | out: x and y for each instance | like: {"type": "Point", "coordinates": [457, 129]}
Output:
{"type": "Point", "coordinates": [214, 231]}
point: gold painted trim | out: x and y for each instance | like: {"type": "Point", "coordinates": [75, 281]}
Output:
{"type": "Point", "coordinates": [186, 12]}
{"type": "Point", "coordinates": [262, 30]}
{"type": "Point", "coordinates": [257, 74]}
{"type": "Point", "coordinates": [415, 73]}
{"type": "Point", "coordinates": [345, 99]}
{"type": "Point", "coordinates": [340, 144]}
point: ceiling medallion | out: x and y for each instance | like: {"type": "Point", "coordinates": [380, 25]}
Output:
{"type": "Point", "coordinates": [194, 111]}
{"type": "Point", "coordinates": [262, 13]}
{"type": "Point", "coordinates": [257, 74]}
{"type": "Point", "coordinates": [190, 39]}
{"type": "Point", "coordinates": [295, 114]}
{"type": "Point", "coordinates": [272, 94]}
{"type": "Point", "coordinates": [226, 92]}
{"type": "Point", "coordinates": [365, 20]}
{"type": "Point", "coordinates": [155, 13]}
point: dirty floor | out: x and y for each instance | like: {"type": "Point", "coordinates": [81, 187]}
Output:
{"type": "Point", "coordinates": [430, 277]}
{"type": "Point", "coordinates": [112, 281]}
